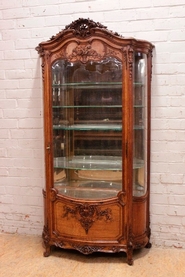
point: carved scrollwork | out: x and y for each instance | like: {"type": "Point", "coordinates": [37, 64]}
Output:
{"type": "Point", "coordinates": [40, 50]}
{"type": "Point", "coordinates": [87, 214]}
{"type": "Point", "coordinates": [45, 235]}
{"type": "Point", "coordinates": [87, 249]}
{"type": "Point", "coordinates": [150, 55]}
{"type": "Point", "coordinates": [111, 52]}
{"type": "Point", "coordinates": [124, 50]}
{"type": "Point", "coordinates": [130, 61]}
{"type": "Point", "coordinates": [43, 70]}
{"type": "Point", "coordinates": [46, 241]}
{"type": "Point", "coordinates": [46, 55]}
{"type": "Point", "coordinates": [130, 237]}
{"type": "Point", "coordinates": [116, 249]}
{"type": "Point", "coordinates": [128, 57]}
{"type": "Point", "coordinates": [121, 197]}
{"type": "Point", "coordinates": [53, 194]}
{"type": "Point", "coordinates": [44, 193]}
{"type": "Point", "coordinates": [61, 54]}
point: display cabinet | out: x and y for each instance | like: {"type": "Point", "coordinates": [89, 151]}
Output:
{"type": "Point", "coordinates": [97, 88]}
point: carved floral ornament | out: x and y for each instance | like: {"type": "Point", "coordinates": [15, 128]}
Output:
{"type": "Point", "coordinates": [91, 51]}
{"type": "Point", "coordinates": [87, 214]}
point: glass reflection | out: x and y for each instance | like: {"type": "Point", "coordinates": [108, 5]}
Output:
{"type": "Point", "coordinates": [140, 126]}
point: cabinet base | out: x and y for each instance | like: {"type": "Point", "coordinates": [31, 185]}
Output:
{"type": "Point", "coordinates": [87, 249]}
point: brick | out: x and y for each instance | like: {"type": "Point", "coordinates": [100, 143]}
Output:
{"type": "Point", "coordinates": [13, 34]}
{"type": "Point", "coordinates": [10, 84]}
{"type": "Point", "coordinates": [7, 64]}
{"type": "Point", "coordinates": [132, 4]}
{"type": "Point", "coordinates": [30, 123]}
{"type": "Point", "coordinates": [14, 55]}
{"type": "Point", "coordinates": [30, 143]}
{"type": "Point", "coordinates": [44, 10]}
{"type": "Point", "coordinates": [15, 13]}
{"type": "Point", "coordinates": [23, 103]}
{"type": "Point", "coordinates": [18, 74]}
{"type": "Point", "coordinates": [28, 23]}
{"type": "Point", "coordinates": [8, 123]}
{"type": "Point", "coordinates": [170, 178]}
{"type": "Point", "coordinates": [167, 3]}
{"type": "Point", "coordinates": [26, 133]}
{"type": "Point", "coordinates": [18, 152]}
{"type": "Point", "coordinates": [177, 200]}
{"type": "Point", "coordinates": [4, 171]}
{"type": "Point", "coordinates": [4, 133]}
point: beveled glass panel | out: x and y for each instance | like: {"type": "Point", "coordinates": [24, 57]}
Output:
{"type": "Point", "coordinates": [140, 126]}
{"type": "Point", "coordinates": [87, 128]}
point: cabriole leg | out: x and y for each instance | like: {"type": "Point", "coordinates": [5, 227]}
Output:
{"type": "Point", "coordinates": [130, 255]}
{"type": "Point", "coordinates": [47, 251]}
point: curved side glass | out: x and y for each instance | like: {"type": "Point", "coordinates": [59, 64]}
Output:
{"type": "Point", "coordinates": [140, 125]}
{"type": "Point", "coordinates": [87, 128]}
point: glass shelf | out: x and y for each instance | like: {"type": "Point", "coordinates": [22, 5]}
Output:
{"type": "Point", "coordinates": [93, 85]}
{"type": "Point", "coordinates": [138, 163]}
{"type": "Point", "coordinates": [89, 189]}
{"type": "Point", "coordinates": [88, 193]}
{"type": "Point", "coordinates": [138, 127]}
{"type": "Point", "coordinates": [93, 163]}
{"type": "Point", "coordinates": [139, 106]}
{"type": "Point", "coordinates": [89, 106]}
{"type": "Point", "coordinates": [89, 162]}
{"type": "Point", "coordinates": [89, 127]}
{"type": "Point", "coordinates": [88, 184]}
{"type": "Point", "coordinates": [92, 127]}
{"type": "Point", "coordinates": [138, 84]}
{"type": "Point", "coordinates": [89, 85]}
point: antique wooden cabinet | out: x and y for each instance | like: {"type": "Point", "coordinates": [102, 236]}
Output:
{"type": "Point", "coordinates": [97, 88]}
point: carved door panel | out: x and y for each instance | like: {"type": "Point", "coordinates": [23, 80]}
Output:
{"type": "Point", "coordinates": [89, 221]}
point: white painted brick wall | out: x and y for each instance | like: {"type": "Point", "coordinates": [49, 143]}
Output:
{"type": "Point", "coordinates": [24, 24]}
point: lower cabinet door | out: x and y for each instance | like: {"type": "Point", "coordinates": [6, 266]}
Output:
{"type": "Point", "coordinates": [89, 221]}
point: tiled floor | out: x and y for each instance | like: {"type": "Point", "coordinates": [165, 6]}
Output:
{"type": "Point", "coordinates": [22, 256]}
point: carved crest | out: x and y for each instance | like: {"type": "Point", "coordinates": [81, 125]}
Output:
{"type": "Point", "coordinates": [87, 214]}
{"type": "Point", "coordinates": [84, 27]}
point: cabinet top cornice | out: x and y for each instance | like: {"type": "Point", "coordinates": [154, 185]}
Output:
{"type": "Point", "coordinates": [84, 29]}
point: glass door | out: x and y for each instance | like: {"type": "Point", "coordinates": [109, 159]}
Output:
{"type": "Point", "coordinates": [87, 128]}
{"type": "Point", "coordinates": [140, 125]}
